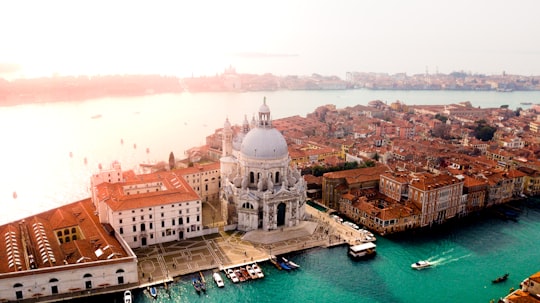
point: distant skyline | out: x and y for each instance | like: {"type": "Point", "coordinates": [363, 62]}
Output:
{"type": "Point", "coordinates": [184, 38]}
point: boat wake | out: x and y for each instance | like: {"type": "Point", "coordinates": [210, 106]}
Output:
{"type": "Point", "coordinates": [438, 260]}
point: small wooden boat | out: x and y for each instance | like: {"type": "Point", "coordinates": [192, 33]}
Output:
{"type": "Point", "coordinates": [202, 281]}
{"type": "Point", "coordinates": [239, 274]}
{"type": "Point", "coordinates": [276, 264]}
{"type": "Point", "coordinates": [245, 273]}
{"type": "Point", "coordinates": [196, 284]}
{"type": "Point", "coordinates": [501, 278]}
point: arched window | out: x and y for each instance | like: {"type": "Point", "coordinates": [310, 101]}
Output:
{"type": "Point", "coordinates": [74, 237]}
{"type": "Point", "coordinates": [66, 231]}
{"type": "Point", "coordinates": [251, 177]}
{"type": "Point", "coordinates": [277, 178]}
{"type": "Point", "coordinates": [73, 230]}
{"type": "Point", "coordinates": [59, 233]}
{"type": "Point", "coordinates": [247, 205]}
{"type": "Point", "coordinates": [87, 276]}
{"type": "Point", "coordinates": [17, 285]}
{"type": "Point", "coordinates": [53, 280]}
{"type": "Point", "coordinates": [120, 271]}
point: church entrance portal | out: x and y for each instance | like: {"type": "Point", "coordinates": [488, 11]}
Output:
{"type": "Point", "coordinates": [281, 214]}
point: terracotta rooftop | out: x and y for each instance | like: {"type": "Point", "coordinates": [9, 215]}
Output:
{"type": "Point", "coordinates": [163, 188]}
{"type": "Point", "coordinates": [70, 234]}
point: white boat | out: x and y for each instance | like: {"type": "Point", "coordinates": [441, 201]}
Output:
{"type": "Point", "coordinates": [127, 296]}
{"type": "Point", "coordinates": [218, 279]}
{"type": "Point", "coordinates": [290, 263]}
{"type": "Point", "coordinates": [257, 270]}
{"type": "Point", "coordinates": [421, 264]}
{"type": "Point", "coordinates": [363, 250]}
{"type": "Point", "coordinates": [153, 292]}
{"type": "Point", "coordinates": [232, 275]}
{"type": "Point", "coordinates": [251, 272]}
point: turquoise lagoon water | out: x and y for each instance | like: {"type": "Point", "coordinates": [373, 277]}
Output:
{"type": "Point", "coordinates": [467, 256]}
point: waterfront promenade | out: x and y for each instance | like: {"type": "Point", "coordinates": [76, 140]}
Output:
{"type": "Point", "coordinates": [163, 263]}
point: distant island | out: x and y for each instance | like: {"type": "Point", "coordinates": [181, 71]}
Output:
{"type": "Point", "coordinates": [73, 88]}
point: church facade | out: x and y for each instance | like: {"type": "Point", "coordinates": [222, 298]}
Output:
{"type": "Point", "coordinates": [260, 189]}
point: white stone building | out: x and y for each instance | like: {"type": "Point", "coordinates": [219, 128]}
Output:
{"type": "Point", "coordinates": [260, 190]}
{"type": "Point", "coordinates": [147, 209]}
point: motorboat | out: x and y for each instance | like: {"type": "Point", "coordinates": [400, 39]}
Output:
{"type": "Point", "coordinates": [127, 296]}
{"type": "Point", "coordinates": [421, 264]}
{"type": "Point", "coordinates": [257, 270]}
{"type": "Point", "coordinates": [253, 275]}
{"type": "Point", "coordinates": [290, 263]}
{"type": "Point", "coordinates": [239, 274]}
{"type": "Point", "coordinates": [501, 278]}
{"type": "Point", "coordinates": [218, 279]}
{"type": "Point", "coordinates": [232, 275]}
{"type": "Point", "coordinates": [153, 292]}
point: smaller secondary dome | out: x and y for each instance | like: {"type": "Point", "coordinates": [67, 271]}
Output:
{"type": "Point", "coordinates": [264, 143]}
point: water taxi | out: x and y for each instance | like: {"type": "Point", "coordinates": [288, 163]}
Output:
{"type": "Point", "coordinates": [362, 250]}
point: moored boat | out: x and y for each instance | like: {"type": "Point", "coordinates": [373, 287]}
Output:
{"type": "Point", "coordinates": [251, 272]}
{"type": "Point", "coordinates": [363, 250]}
{"type": "Point", "coordinates": [218, 279]}
{"type": "Point", "coordinates": [230, 273]}
{"type": "Point", "coordinates": [202, 281]}
{"type": "Point", "coordinates": [421, 264]}
{"type": "Point", "coordinates": [127, 296]}
{"type": "Point", "coordinates": [196, 284]}
{"type": "Point", "coordinates": [153, 292]}
{"type": "Point", "coordinates": [245, 273]}
{"type": "Point", "coordinates": [276, 264]}
{"type": "Point", "coordinates": [284, 265]}
{"type": "Point", "coordinates": [257, 270]}
{"type": "Point", "coordinates": [290, 263]}
{"type": "Point", "coordinates": [239, 274]}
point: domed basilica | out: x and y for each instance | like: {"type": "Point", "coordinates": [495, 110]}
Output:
{"type": "Point", "coordinates": [260, 190]}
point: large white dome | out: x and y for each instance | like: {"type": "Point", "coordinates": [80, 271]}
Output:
{"type": "Point", "coordinates": [264, 143]}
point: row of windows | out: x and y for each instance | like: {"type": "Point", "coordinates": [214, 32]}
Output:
{"type": "Point", "coordinates": [151, 225]}
{"type": "Point", "coordinates": [54, 281]}
{"type": "Point", "coordinates": [120, 221]}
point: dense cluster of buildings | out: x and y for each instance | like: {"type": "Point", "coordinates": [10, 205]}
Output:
{"type": "Point", "coordinates": [424, 170]}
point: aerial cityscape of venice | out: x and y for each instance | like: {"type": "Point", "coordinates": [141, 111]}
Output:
{"type": "Point", "coordinates": [219, 155]}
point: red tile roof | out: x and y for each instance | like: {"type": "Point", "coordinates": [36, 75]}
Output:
{"type": "Point", "coordinates": [40, 234]}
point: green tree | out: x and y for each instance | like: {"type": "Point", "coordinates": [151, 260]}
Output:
{"type": "Point", "coordinates": [483, 131]}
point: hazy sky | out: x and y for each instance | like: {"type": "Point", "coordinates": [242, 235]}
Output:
{"type": "Point", "coordinates": [39, 38]}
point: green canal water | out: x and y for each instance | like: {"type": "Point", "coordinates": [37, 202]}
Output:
{"type": "Point", "coordinates": [467, 256]}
